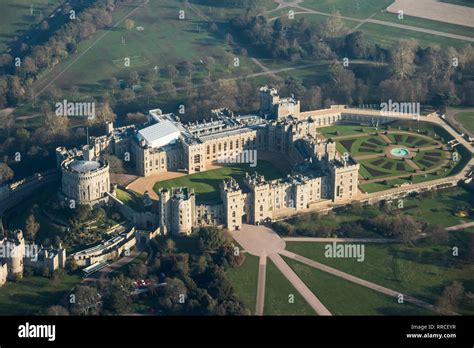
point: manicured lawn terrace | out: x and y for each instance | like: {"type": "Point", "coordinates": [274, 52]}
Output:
{"type": "Point", "coordinates": [33, 295]}
{"type": "Point", "coordinates": [132, 199]}
{"type": "Point", "coordinates": [277, 292]}
{"type": "Point", "coordinates": [206, 184]}
{"type": "Point", "coordinates": [409, 140]}
{"type": "Point", "coordinates": [421, 271]}
{"type": "Point", "coordinates": [342, 297]}
{"type": "Point", "coordinates": [381, 168]}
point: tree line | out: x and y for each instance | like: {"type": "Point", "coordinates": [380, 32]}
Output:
{"type": "Point", "coordinates": [403, 72]}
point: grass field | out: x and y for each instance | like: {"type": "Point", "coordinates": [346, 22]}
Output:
{"type": "Point", "coordinates": [386, 36]}
{"type": "Point", "coordinates": [426, 24]}
{"type": "Point", "coordinates": [33, 295]}
{"type": "Point", "coordinates": [349, 8]}
{"type": "Point", "coordinates": [421, 271]}
{"type": "Point", "coordinates": [277, 292]}
{"type": "Point", "coordinates": [164, 40]}
{"type": "Point", "coordinates": [244, 281]}
{"type": "Point", "coordinates": [439, 209]}
{"type": "Point", "coordinates": [467, 120]}
{"type": "Point", "coordinates": [17, 16]}
{"type": "Point", "coordinates": [342, 297]}
{"type": "Point", "coordinates": [206, 184]}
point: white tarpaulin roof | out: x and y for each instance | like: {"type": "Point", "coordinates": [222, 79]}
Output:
{"type": "Point", "coordinates": [159, 134]}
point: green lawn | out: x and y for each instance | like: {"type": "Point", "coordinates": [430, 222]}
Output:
{"type": "Point", "coordinates": [165, 40]}
{"type": "Point", "coordinates": [244, 281]}
{"type": "Point", "coordinates": [421, 271]}
{"type": "Point", "coordinates": [437, 209]}
{"type": "Point", "coordinates": [342, 297]}
{"type": "Point", "coordinates": [426, 23]}
{"type": "Point", "coordinates": [386, 36]}
{"type": "Point", "coordinates": [206, 184]}
{"type": "Point", "coordinates": [467, 120]}
{"type": "Point", "coordinates": [17, 16]}
{"type": "Point", "coordinates": [357, 9]}
{"type": "Point", "coordinates": [33, 295]}
{"type": "Point", "coordinates": [132, 199]}
{"type": "Point", "coordinates": [277, 295]}
{"type": "Point", "coordinates": [381, 168]}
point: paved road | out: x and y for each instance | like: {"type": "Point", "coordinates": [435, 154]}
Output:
{"type": "Point", "coordinates": [460, 227]}
{"type": "Point", "coordinates": [262, 273]}
{"type": "Point", "coordinates": [301, 287]}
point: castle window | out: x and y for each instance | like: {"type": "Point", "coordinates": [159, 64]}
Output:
{"type": "Point", "coordinates": [231, 145]}
{"type": "Point", "coordinates": [261, 208]}
{"type": "Point", "coordinates": [208, 149]}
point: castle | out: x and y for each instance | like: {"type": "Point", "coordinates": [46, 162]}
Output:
{"type": "Point", "coordinates": [169, 145]}
{"type": "Point", "coordinates": [15, 254]}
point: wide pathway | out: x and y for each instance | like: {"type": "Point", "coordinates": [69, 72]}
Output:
{"type": "Point", "coordinates": [262, 274]}
{"type": "Point", "coordinates": [264, 242]}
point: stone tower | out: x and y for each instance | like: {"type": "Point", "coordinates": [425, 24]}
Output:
{"type": "Point", "coordinates": [234, 204]}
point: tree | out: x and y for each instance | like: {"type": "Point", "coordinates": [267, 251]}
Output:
{"type": "Point", "coordinates": [405, 227]}
{"type": "Point", "coordinates": [6, 173]}
{"type": "Point", "coordinates": [31, 227]}
{"type": "Point", "coordinates": [149, 92]}
{"type": "Point", "coordinates": [85, 301]}
{"type": "Point", "coordinates": [334, 26]}
{"type": "Point", "coordinates": [437, 234]}
{"type": "Point", "coordinates": [104, 113]}
{"type": "Point", "coordinates": [137, 271]}
{"type": "Point", "coordinates": [115, 164]}
{"type": "Point", "coordinates": [402, 56]}
{"type": "Point", "coordinates": [208, 63]}
{"type": "Point", "coordinates": [116, 301]}
{"type": "Point", "coordinates": [171, 295]}
{"type": "Point", "coordinates": [168, 89]}
{"type": "Point", "coordinates": [114, 83]}
{"type": "Point", "coordinates": [450, 298]}
{"type": "Point", "coordinates": [210, 238]}
{"type": "Point", "coordinates": [129, 24]}
{"type": "Point", "coordinates": [170, 246]}
{"type": "Point", "coordinates": [136, 117]}
{"type": "Point", "coordinates": [133, 78]}
{"type": "Point", "coordinates": [57, 311]}
{"type": "Point", "coordinates": [171, 72]}
{"type": "Point", "coordinates": [358, 46]}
